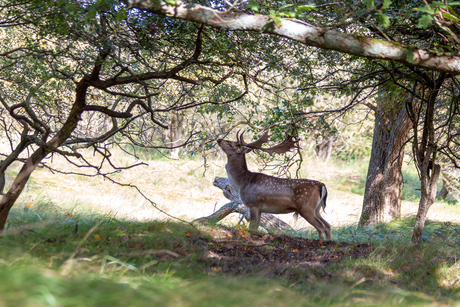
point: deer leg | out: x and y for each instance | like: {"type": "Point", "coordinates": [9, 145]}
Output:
{"type": "Point", "coordinates": [311, 218]}
{"type": "Point", "coordinates": [255, 218]}
{"type": "Point", "coordinates": [309, 210]}
{"type": "Point", "coordinates": [326, 225]}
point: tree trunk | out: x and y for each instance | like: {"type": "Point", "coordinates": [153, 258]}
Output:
{"type": "Point", "coordinates": [323, 148]}
{"type": "Point", "coordinates": [382, 196]}
{"type": "Point", "coordinates": [267, 221]}
{"type": "Point", "coordinates": [175, 133]}
{"type": "Point", "coordinates": [429, 188]}
{"type": "Point", "coordinates": [425, 152]}
{"type": "Point", "coordinates": [8, 200]}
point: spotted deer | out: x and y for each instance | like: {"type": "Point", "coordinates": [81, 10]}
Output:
{"type": "Point", "coordinates": [264, 193]}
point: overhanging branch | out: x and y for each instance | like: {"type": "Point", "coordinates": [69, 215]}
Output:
{"type": "Point", "coordinates": [304, 33]}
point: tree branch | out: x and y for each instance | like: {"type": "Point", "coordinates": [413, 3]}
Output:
{"type": "Point", "coordinates": [304, 33]}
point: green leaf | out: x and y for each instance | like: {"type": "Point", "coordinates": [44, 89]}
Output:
{"type": "Point", "coordinates": [90, 15]}
{"type": "Point", "coordinates": [369, 3]}
{"type": "Point", "coordinates": [277, 20]}
{"type": "Point", "coordinates": [121, 14]}
{"type": "Point", "coordinates": [409, 56]}
{"type": "Point", "coordinates": [253, 5]}
{"type": "Point", "coordinates": [424, 21]}
{"type": "Point", "coordinates": [171, 2]}
{"type": "Point", "coordinates": [450, 17]}
{"type": "Point", "coordinates": [425, 10]}
{"type": "Point", "coordinates": [305, 8]}
{"type": "Point", "coordinates": [451, 10]}
{"type": "Point", "coordinates": [386, 4]}
{"type": "Point", "coordinates": [384, 20]}
{"type": "Point", "coordinates": [437, 4]}
{"type": "Point", "coordinates": [290, 14]}
{"type": "Point", "coordinates": [286, 6]}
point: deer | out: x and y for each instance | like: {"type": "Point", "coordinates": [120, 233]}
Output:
{"type": "Point", "coordinates": [263, 193]}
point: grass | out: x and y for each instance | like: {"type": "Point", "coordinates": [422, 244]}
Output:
{"type": "Point", "coordinates": [96, 260]}
{"type": "Point", "coordinates": [411, 183]}
{"type": "Point", "coordinates": [83, 241]}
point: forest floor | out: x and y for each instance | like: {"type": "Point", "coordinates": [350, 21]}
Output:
{"type": "Point", "coordinates": [239, 252]}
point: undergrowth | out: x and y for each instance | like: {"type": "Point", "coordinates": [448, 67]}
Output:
{"type": "Point", "coordinates": [51, 258]}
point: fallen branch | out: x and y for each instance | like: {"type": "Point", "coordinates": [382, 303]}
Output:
{"type": "Point", "coordinates": [267, 221]}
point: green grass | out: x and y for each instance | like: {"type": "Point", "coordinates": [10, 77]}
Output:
{"type": "Point", "coordinates": [411, 183]}
{"type": "Point", "coordinates": [71, 255]}
{"type": "Point", "coordinates": [54, 258]}
{"type": "Point", "coordinates": [355, 179]}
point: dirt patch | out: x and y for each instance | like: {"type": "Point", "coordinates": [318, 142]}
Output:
{"type": "Point", "coordinates": [241, 252]}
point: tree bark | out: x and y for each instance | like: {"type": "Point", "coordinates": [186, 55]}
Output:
{"type": "Point", "coordinates": [382, 196]}
{"type": "Point", "coordinates": [426, 200]}
{"type": "Point", "coordinates": [267, 221]}
{"type": "Point", "coordinates": [425, 157]}
{"type": "Point", "coordinates": [175, 133]}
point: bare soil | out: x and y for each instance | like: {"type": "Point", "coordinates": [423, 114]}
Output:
{"type": "Point", "coordinates": [239, 252]}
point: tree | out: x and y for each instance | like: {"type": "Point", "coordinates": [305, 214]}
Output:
{"type": "Point", "coordinates": [122, 65]}
{"type": "Point", "coordinates": [112, 68]}
{"type": "Point", "coordinates": [382, 196]}
{"type": "Point", "coordinates": [424, 147]}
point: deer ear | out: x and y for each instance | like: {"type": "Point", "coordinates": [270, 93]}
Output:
{"type": "Point", "coordinates": [243, 149]}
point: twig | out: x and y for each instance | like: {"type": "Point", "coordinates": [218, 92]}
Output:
{"type": "Point", "coordinates": [454, 281]}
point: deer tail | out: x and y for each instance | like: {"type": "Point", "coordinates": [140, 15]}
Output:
{"type": "Point", "coordinates": [322, 198]}
{"type": "Point", "coordinates": [296, 217]}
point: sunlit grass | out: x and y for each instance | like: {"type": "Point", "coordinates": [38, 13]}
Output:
{"type": "Point", "coordinates": [82, 259]}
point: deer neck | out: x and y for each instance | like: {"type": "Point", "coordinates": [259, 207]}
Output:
{"type": "Point", "coordinates": [237, 171]}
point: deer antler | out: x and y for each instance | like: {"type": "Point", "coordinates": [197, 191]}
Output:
{"type": "Point", "coordinates": [256, 144]}
{"type": "Point", "coordinates": [281, 148]}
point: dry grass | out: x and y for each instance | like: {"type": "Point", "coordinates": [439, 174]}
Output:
{"type": "Point", "coordinates": [184, 189]}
